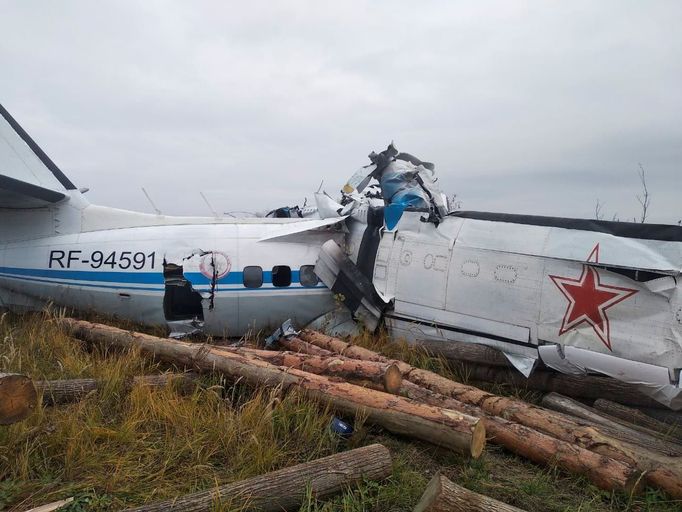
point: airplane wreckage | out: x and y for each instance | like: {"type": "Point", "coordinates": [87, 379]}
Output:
{"type": "Point", "coordinates": [582, 296]}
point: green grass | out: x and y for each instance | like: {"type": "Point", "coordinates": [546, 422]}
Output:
{"type": "Point", "coordinates": [123, 446]}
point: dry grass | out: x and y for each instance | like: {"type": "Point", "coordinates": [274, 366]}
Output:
{"type": "Point", "coordinates": [130, 445]}
{"type": "Point", "coordinates": [121, 447]}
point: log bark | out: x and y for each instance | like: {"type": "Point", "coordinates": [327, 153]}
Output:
{"type": "Point", "coordinates": [386, 374]}
{"type": "Point", "coordinates": [340, 347]}
{"type": "Point", "coordinates": [450, 429]}
{"type": "Point", "coordinates": [298, 345]}
{"type": "Point", "coordinates": [661, 471]}
{"type": "Point", "coordinates": [18, 398]}
{"type": "Point", "coordinates": [56, 392]}
{"type": "Point", "coordinates": [604, 472]}
{"type": "Point", "coordinates": [463, 352]}
{"type": "Point", "coordinates": [632, 416]}
{"type": "Point", "coordinates": [664, 415]}
{"type": "Point", "coordinates": [286, 489]}
{"type": "Point", "coordinates": [442, 495]}
{"type": "Point", "coordinates": [587, 386]}
{"type": "Point", "coordinates": [608, 425]}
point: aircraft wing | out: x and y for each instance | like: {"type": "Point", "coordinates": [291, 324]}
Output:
{"type": "Point", "coordinates": [286, 232]}
{"type": "Point", "coordinates": [28, 178]}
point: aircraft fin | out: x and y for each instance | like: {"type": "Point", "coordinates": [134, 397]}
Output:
{"type": "Point", "coordinates": [28, 177]}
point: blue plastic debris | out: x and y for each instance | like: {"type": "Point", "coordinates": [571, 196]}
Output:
{"type": "Point", "coordinates": [341, 428]}
{"type": "Point", "coordinates": [392, 215]}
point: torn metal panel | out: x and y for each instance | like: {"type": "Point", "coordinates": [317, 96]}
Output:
{"type": "Point", "coordinates": [553, 357]}
{"type": "Point", "coordinates": [182, 305]}
{"type": "Point", "coordinates": [354, 289]}
{"type": "Point", "coordinates": [339, 322]}
{"type": "Point", "coordinates": [412, 329]}
{"type": "Point", "coordinates": [293, 212]}
{"type": "Point", "coordinates": [286, 330]}
{"type": "Point", "coordinates": [179, 329]}
{"type": "Point", "coordinates": [654, 381]}
{"type": "Point", "coordinates": [359, 180]}
{"type": "Point", "coordinates": [523, 364]}
{"type": "Point", "coordinates": [327, 208]}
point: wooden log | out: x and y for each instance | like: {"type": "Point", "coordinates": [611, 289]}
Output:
{"type": "Point", "coordinates": [604, 472]}
{"type": "Point", "coordinates": [56, 392]}
{"type": "Point", "coordinates": [610, 426]}
{"type": "Point", "coordinates": [661, 471]}
{"type": "Point", "coordinates": [540, 448]}
{"type": "Point", "coordinates": [298, 345]}
{"type": "Point", "coordinates": [634, 416]}
{"type": "Point", "coordinates": [463, 352]}
{"type": "Point", "coordinates": [442, 495]}
{"type": "Point", "coordinates": [586, 386]}
{"type": "Point", "coordinates": [18, 398]}
{"type": "Point", "coordinates": [386, 374]}
{"type": "Point", "coordinates": [285, 489]}
{"type": "Point", "coordinates": [664, 415]}
{"type": "Point", "coordinates": [450, 429]}
{"type": "Point", "coordinates": [340, 347]}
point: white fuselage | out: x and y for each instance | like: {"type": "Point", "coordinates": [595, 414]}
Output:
{"type": "Point", "coordinates": [533, 290]}
{"type": "Point", "coordinates": [120, 270]}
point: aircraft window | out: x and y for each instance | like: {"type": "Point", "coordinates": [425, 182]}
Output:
{"type": "Point", "coordinates": [281, 276]}
{"type": "Point", "coordinates": [253, 277]}
{"type": "Point", "coordinates": [307, 276]}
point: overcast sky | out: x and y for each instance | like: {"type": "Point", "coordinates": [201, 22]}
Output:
{"type": "Point", "coordinates": [531, 107]}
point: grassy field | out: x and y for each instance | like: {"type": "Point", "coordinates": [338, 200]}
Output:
{"type": "Point", "coordinates": [123, 446]}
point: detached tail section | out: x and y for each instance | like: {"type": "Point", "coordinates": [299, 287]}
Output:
{"type": "Point", "coordinates": [28, 178]}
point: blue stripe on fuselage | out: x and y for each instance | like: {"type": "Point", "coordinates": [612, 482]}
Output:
{"type": "Point", "coordinates": [197, 279]}
{"type": "Point", "coordinates": [88, 275]}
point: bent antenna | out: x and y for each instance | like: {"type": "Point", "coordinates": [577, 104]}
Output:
{"type": "Point", "coordinates": [158, 212]}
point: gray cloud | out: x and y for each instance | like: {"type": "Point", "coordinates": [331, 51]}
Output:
{"type": "Point", "coordinates": [538, 107]}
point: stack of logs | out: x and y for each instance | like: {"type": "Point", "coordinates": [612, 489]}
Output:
{"type": "Point", "coordinates": [421, 404]}
{"type": "Point", "coordinates": [604, 454]}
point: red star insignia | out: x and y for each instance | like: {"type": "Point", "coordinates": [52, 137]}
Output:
{"type": "Point", "coordinates": [588, 299]}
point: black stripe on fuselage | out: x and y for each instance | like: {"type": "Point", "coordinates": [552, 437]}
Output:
{"type": "Point", "coordinates": [661, 232]}
{"type": "Point", "coordinates": [38, 152]}
{"type": "Point", "coordinates": [451, 328]}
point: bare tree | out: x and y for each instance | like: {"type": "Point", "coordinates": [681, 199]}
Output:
{"type": "Point", "coordinates": [598, 213]}
{"type": "Point", "coordinates": [644, 199]}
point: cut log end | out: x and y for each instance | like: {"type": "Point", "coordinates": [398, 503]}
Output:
{"type": "Point", "coordinates": [431, 494]}
{"type": "Point", "coordinates": [18, 398]}
{"type": "Point", "coordinates": [478, 439]}
{"type": "Point", "coordinates": [393, 379]}
{"type": "Point", "coordinates": [442, 495]}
